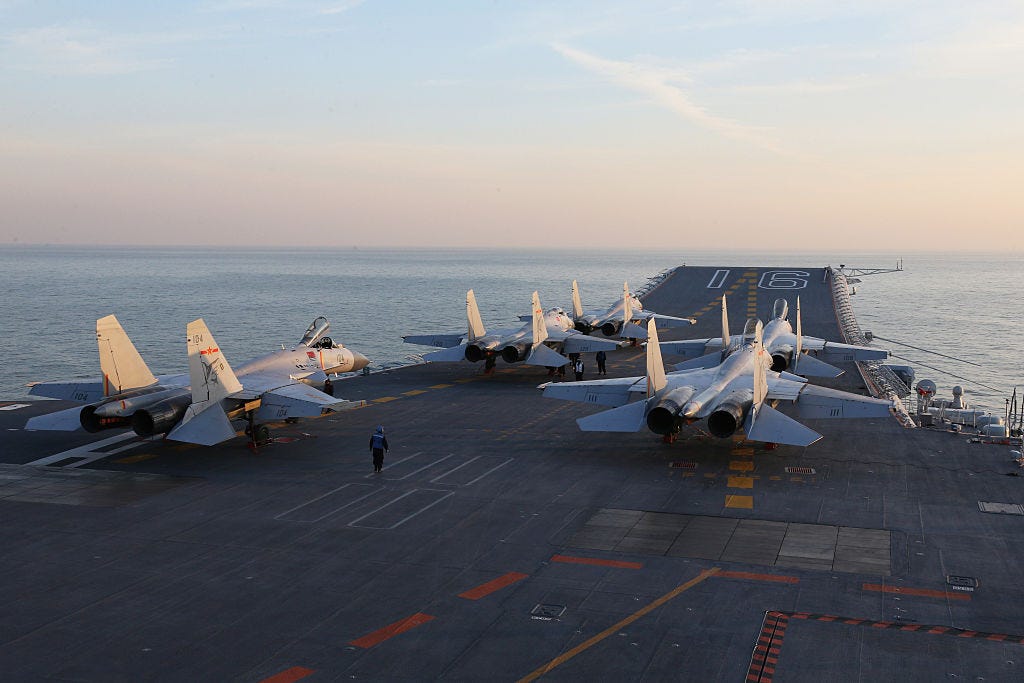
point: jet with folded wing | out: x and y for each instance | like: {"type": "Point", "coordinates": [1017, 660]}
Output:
{"type": "Point", "coordinates": [541, 341]}
{"type": "Point", "coordinates": [785, 345]}
{"type": "Point", "coordinates": [198, 407]}
{"type": "Point", "coordinates": [626, 318]}
{"type": "Point", "coordinates": [731, 396]}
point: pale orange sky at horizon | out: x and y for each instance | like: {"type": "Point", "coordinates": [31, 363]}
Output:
{"type": "Point", "coordinates": [522, 126]}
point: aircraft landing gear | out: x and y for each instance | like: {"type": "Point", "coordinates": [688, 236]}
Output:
{"type": "Point", "coordinates": [489, 365]}
{"type": "Point", "coordinates": [259, 435]}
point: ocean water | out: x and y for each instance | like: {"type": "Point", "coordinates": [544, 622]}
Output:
{"type": "Point", "coordinates": [255, 300]}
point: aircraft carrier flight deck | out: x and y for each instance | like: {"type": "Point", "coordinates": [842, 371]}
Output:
{"type": "Point", "coordinates": [502, 543]}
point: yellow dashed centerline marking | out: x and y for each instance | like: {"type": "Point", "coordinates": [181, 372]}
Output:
{"type": "Point", "coordinates": [414, 392]}
{"type": "Point", "coordinates": [442, 386]}
{"type": "Point", "coordinates": [736, 482]}
{"type": "Point", "coordinates": [384, 399]}
{"type": "Point", "coordinates": [742, 451]}
{"type": "Point", "coordinates": [741, 465]}
{"type": "Point", "coordinates": [135, 458]}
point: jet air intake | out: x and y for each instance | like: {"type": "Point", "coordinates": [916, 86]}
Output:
{"type": "Point", "coordinates": [728, 415]}
{"type": "Point", "coordinates": [513, 353]}
{"type": "Point", "coordinates": [664, 418]}
{"type": "Point", "coordinates": [161, 416]}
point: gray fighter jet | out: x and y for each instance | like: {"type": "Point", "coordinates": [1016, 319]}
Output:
{"type": "Point", "coordinates": [541, 341]}
{"type": "Point", "coordinates": [626, 318]}
{"type": "Point", "coordinates": [198, 407]}
{"type": "Point", "coordinates": [785, 345]}
{"type": "Point", "coordinates": [730, 396]}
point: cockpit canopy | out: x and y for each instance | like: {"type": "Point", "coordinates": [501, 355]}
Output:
{"type": "Point", "coordinates": [751, 330]}
{"type": "Point", "coordinates": [781, 309]}
{"type": "Point", "coordinates": [316, 329]}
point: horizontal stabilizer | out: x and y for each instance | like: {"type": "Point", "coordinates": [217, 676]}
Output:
{"type": "Point", "coordinates": [809, 366]}
{"type": "Point", "coordinates": [299, 400]}
{"type": "Point", "coordinates": [61, 421]}
{"type": "Point", "coordinates": [603, 392]}
{"type": "Point", "coordinates": [441, 341]}
{"type": "Point", "coordinates": [771, 426]}
{"type": "Point", "coordinates": [452, 355]}
{"type": "Point", "coordinates": [691, 348]}
{"type": "Point", "coordinates": [627, 418]}
{"type": "Point", "coordinates": [703, 362]}
{"type": "Point", "coordinates": [821, 402]}
{"type": "Point", "coordinates": [83, 392]}
{"type": "Point", "coordinates": [584, 343]}
{"type": "Point", "coordinates": [672, 321]}
{"type": "Point", "coordinates": [206, 428]}
{"type": "Point", "coordinates": [546, 356]}
{"type": "Point", "coordinates": [633, 331]}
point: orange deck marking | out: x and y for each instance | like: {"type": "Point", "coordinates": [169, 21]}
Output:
{"type": "Point", "coordinates": [595, 561]}
{"type": "Point", "coordinates": [742, 502]}
{"type": "Point", "coordinates": [759, 577]}
{"type": "Point", "coordinates": [384, 399]}
{"type": "Point", "coordinates": [492, 586]}
{"type": "Point", "coordinates": [441, 386]}
{"type": "Point", "coordinates": [414, 392]}
{"type": "Point", "coordinates": [391, 630]}
{"type": "Point", "coordinates": [289, 675]}
{"type": "Point", "coordinates": [923, 592]}
{"type": "Point", "coordinates": [615, 628]}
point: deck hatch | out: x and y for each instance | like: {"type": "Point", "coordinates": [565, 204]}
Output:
{"type": "Point", "coordinates": [800, 470]}
{"type": "Point", "coordinates": [547, 612]}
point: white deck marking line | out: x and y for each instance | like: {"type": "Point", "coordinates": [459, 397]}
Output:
{"type": "Point", "coordinates": [397, 462]}
{"type": "Point", "coordinates": [428, 465]}
{"type": "Point", "coordinates": [458, 467]}
{"type": "Point", "coordinates": [87, 452]}
{"type": "Point", "coordinates": [324, 495]}
{"type": "Point", "coordinates": [718, 279]}
{"type": "Point", "coordinates": [405, 519]}
{"type": "Point", "coordinates": [496, 467]}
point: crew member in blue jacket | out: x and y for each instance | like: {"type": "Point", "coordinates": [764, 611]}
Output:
{"type": "Point", "coordinates": [378, 446]}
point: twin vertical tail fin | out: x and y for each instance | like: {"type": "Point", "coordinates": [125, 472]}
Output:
{"type": "Point", "coordinates": [120, 362]}
{"type": "Point", "coordinates": [212, 380]}
{"type": "Point", "coordinates": [540, 329]}
{"type": "Point", "coordinates": [655, 366]}
{"type": "Point", "coordinates": [725, 324]}
{"type": "Point", "coordinates": [475, 323]}
{"type": "Point", "coordinates": [799, 338]}
{"type": "Point", "coordinates": [577, 305]}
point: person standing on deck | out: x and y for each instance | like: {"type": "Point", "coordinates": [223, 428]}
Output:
{"type": "Point", "coordinates": [378, 447]}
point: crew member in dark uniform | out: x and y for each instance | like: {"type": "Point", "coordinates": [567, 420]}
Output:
{"type": "Point", "coordinates": [378, 447]}
{"type": "Point", "coordinates": [328, 387]}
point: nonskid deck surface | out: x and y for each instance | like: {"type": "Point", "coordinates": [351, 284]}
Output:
{"type": "Point", "coordinates": [501, 543]}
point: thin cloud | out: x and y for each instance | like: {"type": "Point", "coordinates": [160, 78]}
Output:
{"type": "Point", "coordinates": [657, 83]}
{"type": "Point", "coordinates": [74, 51]}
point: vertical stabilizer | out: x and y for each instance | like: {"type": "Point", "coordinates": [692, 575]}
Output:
{"type": "Point", "coordinates": [655, 366]}
{"type": "Point", "coordinates": [476, 325]}
{"type": "Point", "coordinates": [540, 329]}
{"type": "Point", "coordinates": [577, 305]}
{"type": "Point", "coordinates": [627, 307]}
{"type": "Point", "coordinates": [211, 377]}
{"type": "Point", "coordinates": [725, 324]}
{"type": "Point", "coordinates": [799, 338]}
{"type": "Point", "coordinates": [762, 361]}
{"type": "Point", "coordinates": [120, 362]}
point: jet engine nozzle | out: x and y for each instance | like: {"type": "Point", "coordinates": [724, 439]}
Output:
{"type": "Point", "coordinates": [161, 416]}
{"type": "Point", "coordinates": [474, 354]}
{"type": "Point", "coordinates": [729, 414]}
{"type": "Point", "coordinates": [782, 358]}
{"type": "Point", "coordinates": [611, 327]}
{"type": "Point", "coordinates": [513, 353]}
{"type": "Point", "coordinates": [664, 418]}
{"type": "Point", "coordinates": [92, 423]}
{"type": "Point", "coordinates": [585, 328]}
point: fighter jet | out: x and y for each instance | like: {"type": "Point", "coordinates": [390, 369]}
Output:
{"type": "Point", "coordinates": [626, 318]}
{"type": "Point", "coordinates": [536, 343]}
{"type": "Point", "coordinates": [181, 406]}
{"type": "Point", "coordinates": [785, 346]}
{"type": "Point", "coordinates": [729, 396]}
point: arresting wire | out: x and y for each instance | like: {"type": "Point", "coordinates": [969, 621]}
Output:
{"type": "Point", "coordinates": [918, 348]}
{"type": "Point", "coordinates": [946, 372]}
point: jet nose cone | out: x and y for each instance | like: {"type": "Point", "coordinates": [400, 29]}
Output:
{"type": "Point", "coordinates": [359, 361]}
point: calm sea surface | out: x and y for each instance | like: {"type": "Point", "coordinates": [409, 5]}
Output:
{"type": "Point", "coordinates": [254, 300]}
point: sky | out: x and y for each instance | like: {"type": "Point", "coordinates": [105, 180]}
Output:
{"type": "Point", "coordinates": [759, 124]}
